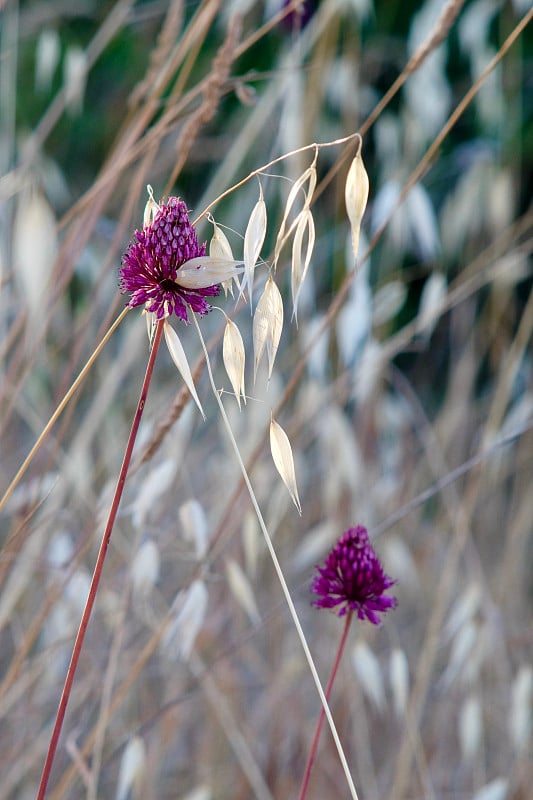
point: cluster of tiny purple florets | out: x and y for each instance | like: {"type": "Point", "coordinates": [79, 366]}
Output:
{"type": "Point", "coordinates": [150, 265]}
{"type": "Point", "coordinates": [353, 578]}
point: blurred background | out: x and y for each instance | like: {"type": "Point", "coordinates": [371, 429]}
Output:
{"type": "Point", "coordinates": [405, 389]}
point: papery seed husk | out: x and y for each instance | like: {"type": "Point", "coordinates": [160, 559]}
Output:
{"type": "Point", "coordinates": [368, 671]}
{"type": "Point", "coordinates": [132, 768]}
{"type": "Point", "coordinates": [308, 175]}
{"type": "Point", "coordinates": [234, 357]}
{"type": "Point", "coordinates": [267, 325]}
{"type": "Point", "coordinates": [151, 208]}
{"type": "Point", "coordinates": [470, 728]}
{"type": "Point", "coordinates": [356, 196]}
{"type": "Point", "coordinates": [253, 240]}
{"type": "Point", "coordinates": [189, 610]}
{"type": "Point", "coordinates": [242, 590]}
{"type": "Point", "coordinates": [177, 353]}
{"type": "Point", "coordinates": [281, 450]}
{"type": "Point", "coordinates": [155, 484]}
{"type": "Point", "coordinates": [145, 567]}
{"type": "Point", "coordinates": [203, 271]}
{"type": "Point", "coordinates": [219, 246]}
{"type": "Point", "coordinates": [399, 680]}
{"type": "Point", "coordinates": [495, 790]}
{"type": "Point", "coordinates": [520, 721]}
{"type": "Point", "coordinates": [298, 272]}
{"type": "Point", "coordinates": [194, 526]}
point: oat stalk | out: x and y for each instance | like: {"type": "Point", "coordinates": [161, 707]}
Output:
{"type": "Point", "coordinates": [279, 572]}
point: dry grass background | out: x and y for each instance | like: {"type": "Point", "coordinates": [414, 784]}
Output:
{"type": "Point", "coordinates": [411, 413]}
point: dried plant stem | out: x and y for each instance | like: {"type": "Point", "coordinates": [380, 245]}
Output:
{"type": "Point", "coordinates": [279, 572]}
{"type": "Point", "coordinates": [59, 410]}
{"type": "Point", "coordinates": [78, 644]}
{"type": "Point", "coordinates": [316, 737]}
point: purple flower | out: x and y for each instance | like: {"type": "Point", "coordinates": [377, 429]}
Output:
{"type": "Point", "coordinates": [353, 578]}
{"type": "Point", "coordinates": [150, 267]}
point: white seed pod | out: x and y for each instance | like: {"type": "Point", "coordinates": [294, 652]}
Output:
{"type": "Point", "coordinates": [464, 609]}
{"type": "Point", "coordinates": [202, 271]}
{"type": "Point", "coordinates": [152, 488]}
{"type": "Point", "coordinates": [431, 302]}
{"type": "Point", "coordinates": [368, 370]}
{"type": "Point", "coordinates": [132, 769]}
{"type": "Point", "coordinates": [253, 240]}
{"type": "Point", "coordinates": [282, 455]}
{"type": "Point", "coordinates": [267, 325]}
{"type": "Point", "coordinates": [368, 671]}
{"type": "Point", "coordinates": [521, 711]}
{"type": "Point", "coordinates": [200, 793]}
{"type": "Point", "coordinates": [35, 246]}
{"type": "Point", "coordinates": [495, 790]}
{"type": "Point", "coordinates": [189, 609]}
{"type": "Point", "coordinates": [242, 590]}
{"type": "Point", "coordinates": [219, 247]}
{"type": "Point", "coordinates": [305, 225]}
{"type": "Point", "coordinates": [388, 301]}
{"type": "Point", "coordinates": [470, 728]}
{"type": "Point", "coordinates": [151, 208]}
{"type": "Point", "coordinates": [399, 680]}
{"type": "Point", "coordinates": [74, 77]}
{"type": "Point", "coordinates": [151, 323]}
{"type": "Point", "coordinates": [461, 656]}
{"type": "Point", "coordinates": [251, 542]}
{"type": "Point", "coordinates": [177, 353]}
{"type": "Point", "coordinates": [194, 526]}
{"type": "Point", "coordinates": [356, 196]}
{"type": "Point", "coordinates": [145, 568]}
{"type": "Point", "coordinates": [308, 176]}
{"type": "Point", "coordinates": [46, 58]}
{"type": "Point", "coordinates": [234, 358]}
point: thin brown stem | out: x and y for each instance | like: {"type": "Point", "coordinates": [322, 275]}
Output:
{"type": "Point", "coordinates": [334, 669]}
{"type": "Point", "coordinates": [78, 644]}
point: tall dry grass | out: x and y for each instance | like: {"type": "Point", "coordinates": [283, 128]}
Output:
{"type": "Point", "coordinates": [405, 390]}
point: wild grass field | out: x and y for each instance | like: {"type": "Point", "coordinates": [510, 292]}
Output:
{"type": "Point", "coordinates": [402, 378]}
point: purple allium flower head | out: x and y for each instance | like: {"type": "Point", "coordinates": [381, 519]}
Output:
{"type": "Point", "coordinates": [151, 264]}
{"type": "Point", "coordinates": [353, 578]}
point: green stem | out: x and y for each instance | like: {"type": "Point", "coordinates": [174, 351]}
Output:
{"type": "Point", "coordinates": [314, 746]}
{"type": "Point", "coordinates": [80, 636]}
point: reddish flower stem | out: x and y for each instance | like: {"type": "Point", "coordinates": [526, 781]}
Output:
{"type": "Point", "coordinates": [314, 746]}
{"type": "Point", "coordinates": [80, 636]}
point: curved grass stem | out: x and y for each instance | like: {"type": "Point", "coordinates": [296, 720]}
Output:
{"type": "Point", "coordinates": [59, 410]}
{"type": "Point", "coordinates": [279, 573]}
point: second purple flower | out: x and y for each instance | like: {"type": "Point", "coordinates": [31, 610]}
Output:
{"type": "Point", "coordinates": [353, 578]}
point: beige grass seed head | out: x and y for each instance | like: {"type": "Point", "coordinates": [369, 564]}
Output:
{"type": "Point", "coordinates": [267, 325]}
{"type": "Point", "coordinates": [282, 455]}
{"type": "Point", "coordinates": [234, 357]}
{"type": "Point", "coordinates": [356, 196]}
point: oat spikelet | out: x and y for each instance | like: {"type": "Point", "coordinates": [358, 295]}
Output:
{"type": "Point", "coordinates": [234, 357]}
{"type": "Point", "coordinates": [356, 196]}
{"type": "Point", "coordinates": [219, 247]}
{"type": "Point", "coordinates": [177, 353]}
{"type": "Point", "coordinates": [268, 324]}
{"type": "Point", "coordinates": [253, 241]}
{"type": "Point", "coordinates": [242, 590]}
{"type": "Point", "coordinates": [306, 225]}
{"type": "Point", "coordinates": [132, 769]}
{"type": "Point", "coordinates": [309, 177]}
{"type": "Point", "coordinates": [282, 454]}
